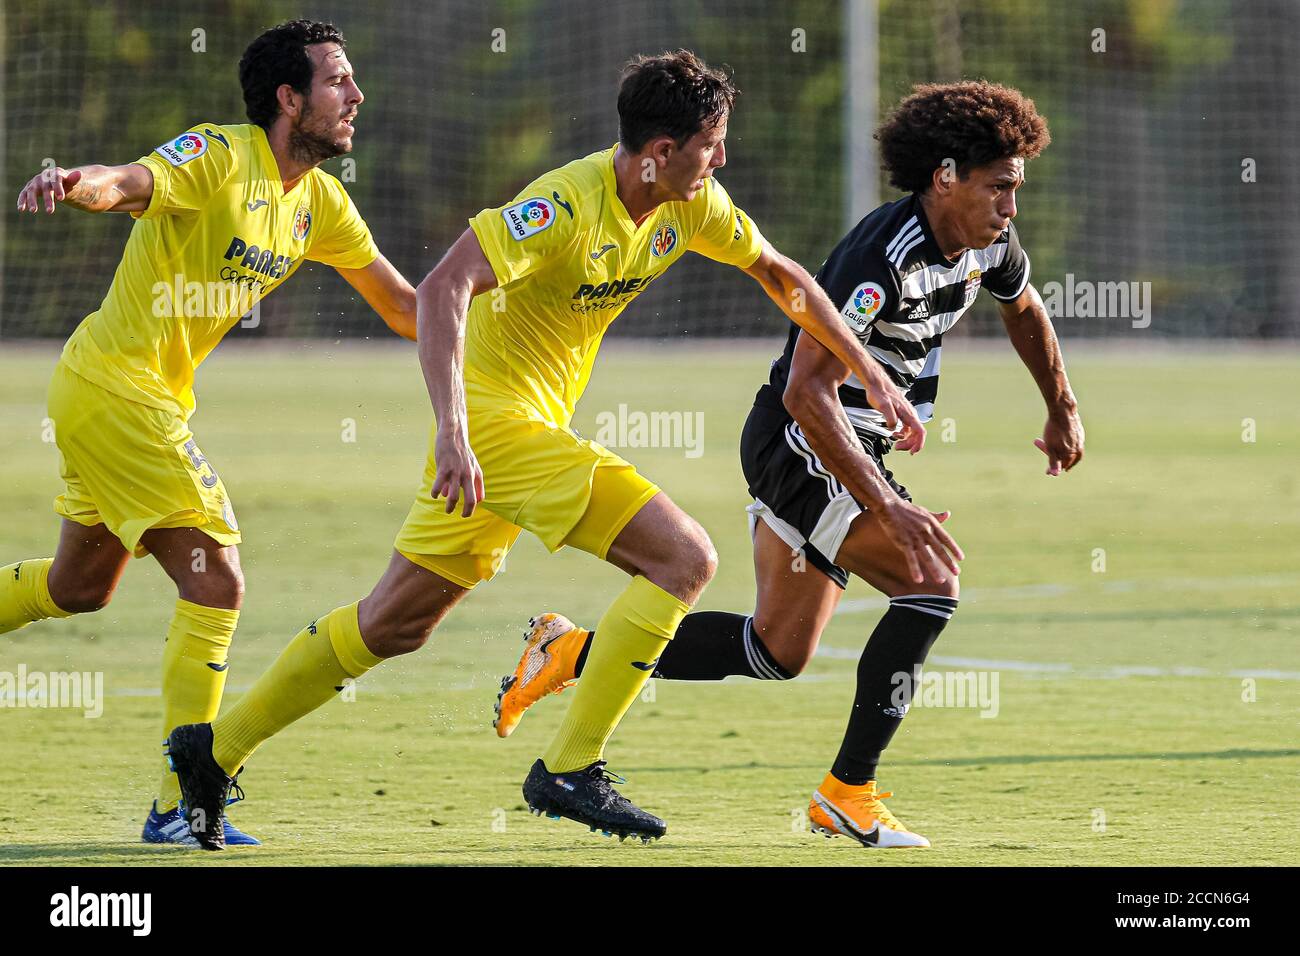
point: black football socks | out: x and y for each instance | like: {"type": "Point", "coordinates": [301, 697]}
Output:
{"type": "Point", "coordinates": [887, 674]}
{"type": "Point", "coordinates": [711, 645]}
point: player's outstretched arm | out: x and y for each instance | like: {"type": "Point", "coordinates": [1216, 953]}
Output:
{"type": "Point", "coordinates": [810, 396]}
{"type": "Point", "coordinates": [388, 293]}
{"type": "Point", "coordinates": [1030, 329]}
{"type": "Point", "coordinates": [442, 305]}
{"type": "Point", "coordinates": [90, 188]}
{"type": "Point", "coordinates": [803, 300]}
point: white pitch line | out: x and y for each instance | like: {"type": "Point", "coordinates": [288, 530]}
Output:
{"type": "Point", "coordinates": [1112, 672]}
{"type": "Point", "coordinates": [1031, 592]}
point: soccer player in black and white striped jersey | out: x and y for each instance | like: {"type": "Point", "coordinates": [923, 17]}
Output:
{"type": "Point", "coordinates": [813, 447]}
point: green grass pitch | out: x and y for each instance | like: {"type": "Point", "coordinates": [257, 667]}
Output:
{"type": "Point", "coordinates": [1146, 712]}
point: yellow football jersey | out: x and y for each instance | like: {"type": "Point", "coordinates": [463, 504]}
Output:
{"type": "Point", "coordinates": [219, 234]}
{"type": "Point", "coordinates": [568, 259]}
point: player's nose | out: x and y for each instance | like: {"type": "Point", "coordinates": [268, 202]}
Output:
{"type": "Point", "coordinates": [357, 97]}
{"type": "Point", "coordinates": [719, 156]}
{"type": "Point", "coordinates": [1007, 208]}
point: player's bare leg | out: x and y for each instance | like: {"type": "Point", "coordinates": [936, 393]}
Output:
{"type": "Point", "coordinates": [666, 545]}
{"type": "Point", "coordinates": [205, 572]}
{"type": "Point", "coordinates": [87, 567]}
{"type": "Point", "coordinates": [80, 578]}
{"type": "Point", "coordinates": [870, 553]}
{"type": "Point", "coordinates": [795, 601]}
{"type": "Point", "coordinates": [404, 607]}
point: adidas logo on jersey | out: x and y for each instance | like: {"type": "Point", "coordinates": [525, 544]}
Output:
{"type": "Point", "coordinates": [921, 311]}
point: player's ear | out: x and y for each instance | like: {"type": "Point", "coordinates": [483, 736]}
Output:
{"type": "Point", "coordinates": [942, 179]}
{"type": "Point", "coordinates": [661, 150]}
{"type": "Point", "coordinates": [290, 100]}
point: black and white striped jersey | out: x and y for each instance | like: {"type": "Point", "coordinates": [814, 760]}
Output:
{"type": "Point", "coordinates": [900, 294]}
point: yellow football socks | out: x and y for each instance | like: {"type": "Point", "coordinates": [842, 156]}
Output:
{"type": "Point", "coordinates": [310, 671]}
{"type": "Point", "coordinates": [193, 675]}
{"type": "Point", "coordinates": [25, 594]}
{"type": "Point", "coordinates": [629, 639]}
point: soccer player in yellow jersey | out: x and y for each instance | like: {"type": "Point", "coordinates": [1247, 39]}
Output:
{"type": "Point", "coordinates": [509, 324]}
{"type": "Point", "coordinates": [224, 215]}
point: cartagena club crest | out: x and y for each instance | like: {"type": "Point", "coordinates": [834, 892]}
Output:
{"type": "Point", "coordinates": [301, 223]}
{"type": "Point", "coordinates": [664, 241]}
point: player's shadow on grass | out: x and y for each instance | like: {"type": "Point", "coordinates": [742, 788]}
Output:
{"type": "Point", "coordinates": [1235, 754]}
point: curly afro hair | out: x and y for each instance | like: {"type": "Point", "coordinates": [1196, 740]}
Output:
{"type": "Point", "coordinates": [972, 122]}
{"type": "Point", "coordinates": [277, 57]}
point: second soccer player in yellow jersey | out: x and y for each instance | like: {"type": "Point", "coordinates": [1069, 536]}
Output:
{"type": "Point", "coordinates": [225, 214]}
{"type": "Point", "coordinates": [509, 324]}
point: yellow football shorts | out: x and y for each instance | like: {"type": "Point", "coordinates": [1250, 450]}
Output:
{"type": "Point", "coordinates": [132, 467]}
{"type": "Point", "coordinates": [537, 475]}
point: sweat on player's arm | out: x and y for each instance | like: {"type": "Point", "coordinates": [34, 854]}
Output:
{"type": "Point", "coordinates": [1030, 329]}
{"type": "Point", "coordinates": [442, 307]}
{"type": "Point", "coordinates": [89, 188]}
{"type": "Point", "coordinates": [811, 396]}
{"type": "Point", "coordinates": [791, 287]}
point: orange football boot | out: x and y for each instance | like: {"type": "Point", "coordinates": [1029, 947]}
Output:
{"type": "Point", "coordinates": [838, 809]}
{"type": "Point", "coordinates": [553, 644]}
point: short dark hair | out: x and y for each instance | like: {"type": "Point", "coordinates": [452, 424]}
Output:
{"type": "Point", "coordinates": [277, 57]}
{"type": "Point", "coordinates": [972, 122]}
{"type": "Point", "coordinates": [673, 94]}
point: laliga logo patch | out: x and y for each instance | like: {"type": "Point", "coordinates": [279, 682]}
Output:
{"type": "Point", "coordinates": [528, 218]}
{"type": "Point", "coordinates": [863, 305]}
{"type": "Point", "coordinates": [190, 145]}
{"type": "Point", "coordinates": [972, 285]}
{"type": "Point", "coordinates": [664, 241]}
{"type": "Point", "coordinates": [183, 148]}
{"type": "Point", "coordinates": [301, 223]}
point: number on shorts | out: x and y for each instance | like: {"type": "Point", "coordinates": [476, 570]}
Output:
{"type": "Point", "coordinates": [199, 462]}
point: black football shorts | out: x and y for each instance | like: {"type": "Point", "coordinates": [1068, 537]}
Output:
{"type": "Point", "coordinates": [795, 494]}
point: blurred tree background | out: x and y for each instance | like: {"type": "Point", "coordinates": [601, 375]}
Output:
{"type": "Point", "coordinates": [1146, 180]}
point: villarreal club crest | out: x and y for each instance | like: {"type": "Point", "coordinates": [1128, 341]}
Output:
{"type": "Point", "coordinates": [301, 223]}
{"type": "Point", "coordinates": [664, 241]}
